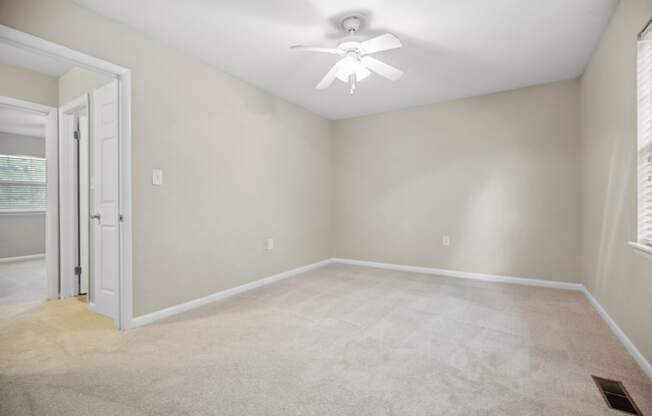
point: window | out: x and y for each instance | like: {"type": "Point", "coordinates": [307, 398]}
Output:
{"type": "Point", "coordinates": [22, 184]}
{"type": "Point", "coordinates": [645, 140]}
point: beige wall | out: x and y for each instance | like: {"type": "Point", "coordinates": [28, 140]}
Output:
{"type": "Point", "coordinates": [16, 144]}
{"type": "Point", "coordinates": [499, 174]}
{"type": "Point", "coordinates": [79, 81]}
{"type": "Point", "coordinates": [618, 277]}
{"type": "Point", "coordinates": [239, 164]}
{"type": "Point", "coordinates": [27, 85]}
{"type": "Point", "coordinates": [22, 234]}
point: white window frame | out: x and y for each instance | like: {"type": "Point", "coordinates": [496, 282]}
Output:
{"type": "Point", "coordinates": [644, 145]}
{"type": "Point", "coordinates": [25, 210]}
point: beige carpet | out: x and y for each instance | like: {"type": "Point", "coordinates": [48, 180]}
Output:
{"type": "Point", "coordinates": [340, 340]}
{"type": "Point", "coordinates": [23, 284]}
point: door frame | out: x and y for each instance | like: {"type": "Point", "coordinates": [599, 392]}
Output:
{"type": "Point", "coordinates": [52, 186]}
{"type": "Point", "coordinates": [72, 212]}
{"type": "Point", "coordinates": [123, 75]}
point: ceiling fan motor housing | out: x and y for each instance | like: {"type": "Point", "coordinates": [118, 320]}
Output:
{"type": "Point", "coordinates": [351, 24]}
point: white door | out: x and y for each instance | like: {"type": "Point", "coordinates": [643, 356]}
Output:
{"type": "Point", "coordinates": [105, 201]}
{"type": "Point", "coordinates": [68, 201]}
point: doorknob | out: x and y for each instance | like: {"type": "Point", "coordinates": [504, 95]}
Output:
{"type": "Point", "coordinates": [96, 216]}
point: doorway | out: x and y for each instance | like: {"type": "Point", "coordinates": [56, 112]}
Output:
{"type": "Point", "coordinates": [89, 231]}
{"type": "Point", "coordinates": [28, 205]}
{"type": "Point", "coordinates": [88, 149]}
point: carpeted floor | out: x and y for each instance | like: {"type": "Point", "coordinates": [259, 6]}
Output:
{"type": "Point", "coordinates": [340, 340]}
{"type": "Point", "coordinates": [23, 285]}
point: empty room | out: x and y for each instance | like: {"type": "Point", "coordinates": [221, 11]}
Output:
{"type": "Point", "coordinates": [311, 207]}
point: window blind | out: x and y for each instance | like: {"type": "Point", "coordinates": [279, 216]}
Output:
{"type": "Point", "coordinates": [645, 140]}
{"type": "Point", "coordinates": [23, 185]}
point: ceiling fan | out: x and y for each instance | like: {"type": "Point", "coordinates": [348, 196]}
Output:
{"type": "Point", "coordinates": [356, 64]}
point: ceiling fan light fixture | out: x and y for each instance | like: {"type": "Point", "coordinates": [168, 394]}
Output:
{"type": "Point", "coordinates": [351, 65]}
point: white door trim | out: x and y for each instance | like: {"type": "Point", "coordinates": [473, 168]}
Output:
{"type": "Point", "coordinates": [68, 114]}
{"type": "Point", "coordinates": [123, 75]}
{"type": "Point", "coordinates": [52, 166]}
{"type": "Point", "coordinates": [126, 253]}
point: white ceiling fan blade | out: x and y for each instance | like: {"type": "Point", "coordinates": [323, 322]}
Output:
{"type": "Point", "coordinates": [316, 49]}
{"type": "Point", "coordinates": [328, 78]}
{"type": "Point", "coordinates": [382, 68]}
{"type": "Point", "coordinates": [380, 43]}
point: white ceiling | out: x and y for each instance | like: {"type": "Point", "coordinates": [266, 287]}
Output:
{"type": "Point", "coordinates": [11, 55]}
{"type": "Point", "coordinates": [452, 48]}
{"type": "Point", "coordinates": [22, 122]}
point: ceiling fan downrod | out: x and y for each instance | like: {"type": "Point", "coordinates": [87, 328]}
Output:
{"type": "Point", "coordinates": [351, 24]}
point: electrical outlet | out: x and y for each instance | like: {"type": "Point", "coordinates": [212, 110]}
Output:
{"type": "Point", "coordinates": [270, 244]}
{"type": "Point", "coordinates": [446, 240]}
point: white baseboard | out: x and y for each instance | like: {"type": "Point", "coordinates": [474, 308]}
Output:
{"type": "Point", "coordinates": [465, 275]}
{"type": "Point", "coordinates": [173, 310]}
{"type": "Point", "coordinates": [629, 345]}
{"type": "Point", "coordinates": [183, 307]}
{"type": "Point", "coordinates": [22, 258]}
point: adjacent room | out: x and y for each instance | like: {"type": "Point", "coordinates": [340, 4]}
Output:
{"type": "Point", "coordinates": [22, 209]}
{"type": "Point", "coordinates": [316, 207]}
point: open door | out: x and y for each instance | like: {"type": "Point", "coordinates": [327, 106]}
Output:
{"type": "Point", "coordinates": [106, 224]}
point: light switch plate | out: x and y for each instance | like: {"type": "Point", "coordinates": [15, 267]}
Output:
{"type": "Point", "coordinates": [270, 244]}
{"type": "Point", "coordinates": [446, 240]}
{"type": "Point", "coordinates": [157, 177]}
